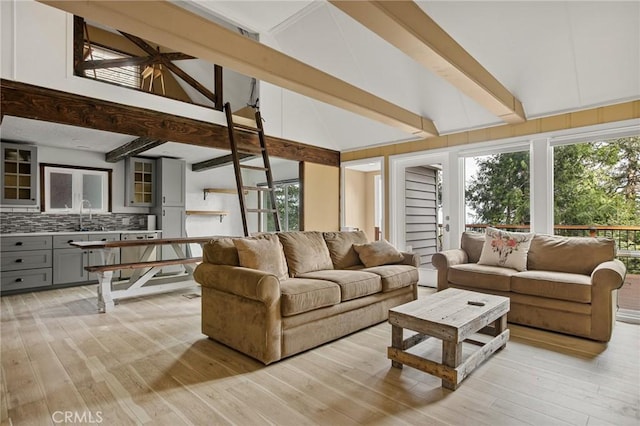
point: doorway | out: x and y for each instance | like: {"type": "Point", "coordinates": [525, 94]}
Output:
{"type": "Point", "coordinates": [362, 198]}
{"type": "Point", "coordinates": [423, 212]}
{"type": "Point", "coordinates": [419, 206]}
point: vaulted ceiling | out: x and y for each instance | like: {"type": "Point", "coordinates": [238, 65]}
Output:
{"type": "Point", "coordinates": [547, 57]}
{"type": "Point", "coordinates": [553, 57]}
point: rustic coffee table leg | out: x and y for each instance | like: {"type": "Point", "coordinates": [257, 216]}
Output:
{"type": "Point", "coordinates": [501, 325]}
{"type": "Point", "coordinates": [396, 342]}
{"type": "Point", "coordinates": [451, 357]}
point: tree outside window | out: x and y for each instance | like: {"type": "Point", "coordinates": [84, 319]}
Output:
{"type": "Point", "coordinates": [288, 204]}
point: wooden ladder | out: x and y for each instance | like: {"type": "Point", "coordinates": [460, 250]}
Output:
{"type": "Point", "coordinates": [237, 149]}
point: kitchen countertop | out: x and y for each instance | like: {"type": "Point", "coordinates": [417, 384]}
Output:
{"type": "Point", "coordinates": [37, 234]}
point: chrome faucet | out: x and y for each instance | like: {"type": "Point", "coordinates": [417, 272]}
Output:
{"type": "Point", "coordinates": [82, 203]}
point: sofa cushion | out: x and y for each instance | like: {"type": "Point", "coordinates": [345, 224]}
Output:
{"type": "Point", "coordinates": [378, 253]}
{"type": "Point", "coordinates": [340, 245]}
{"type": "Point", "coordinates": [303, 295]}
{"type": "Point", "coordinates": [471, 243]}
{"type": "Point", "coordinates": [264, 253]}
{"type": "Point", "coordinates": [481, 276]}
{"type": "Point", "coordinates": [507, 249]}
{"type": "Point", "coordinates": [305, 252]}
{"type": "Point", "coordinates": [395, 276]}
{"type": "Point", "coordinates": [353, 284]}
{"type": "Point", "coordinates": [221, 251]}
{"type": "Point", "coordinates": [577, 255]}
{"type": "Point", "coordinates": [554, 285]}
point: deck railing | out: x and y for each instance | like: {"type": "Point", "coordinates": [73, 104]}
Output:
{"type": "Point", "coordinates": [627, 238]}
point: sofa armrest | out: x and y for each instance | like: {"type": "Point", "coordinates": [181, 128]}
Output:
{"type": "Point", "coordinates": [244, 282]}
{"type": "Point", "coordinates": [448, 258]}
{"type": "Point", "coordinates": [605, 278]}
{"type": "Point", "coordinates": [411, 259]}
{"type": "Point", "coordinates": [609, 274]}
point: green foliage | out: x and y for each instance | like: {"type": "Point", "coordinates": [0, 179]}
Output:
{"type": "Point", "coordinates": [499, 193]}
{"type": "Point", "coordinates": [594, 184]}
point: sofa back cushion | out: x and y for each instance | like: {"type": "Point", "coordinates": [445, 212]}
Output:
{"type": "Point", "coordinates": [263, 253]}
{"type": "Point", "coordinates": [220, 251]}
{"type": "Point", "coordinates": [378, 253]}
{"type": "Point", "coordinates": [577, 255]}
{"type": "Point", "coordinates": [340, 245]}
{"type": "Point", "coordinates": [305, 251]}
{"type": "Point", "coordinates": [471, 243]}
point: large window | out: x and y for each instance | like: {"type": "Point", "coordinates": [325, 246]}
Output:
{"type": "Point", "coordinates": [497, 190]}
{"type": "Point", "coordinates": [288, 204]}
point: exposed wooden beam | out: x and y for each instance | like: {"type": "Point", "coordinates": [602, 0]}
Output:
{"type": "Point", "coordinates": [218, 76]}
{"type": "Point", "coordinates": [171, 66]}
{"type": "Point", "coordinates": [216, 44]}
{"type": "Point", "coordinates": [39, 103]}
{"type": "Point", "coordinates": [219, 162]}
{"type": "Point", "coordinates": [407, 27]}
{"type": "Point", "coordinates": [133, 61]}
{"type": "Point", "coordinates": [132, 148]}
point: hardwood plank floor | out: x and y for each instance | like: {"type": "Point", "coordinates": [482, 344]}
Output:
{"type": "Point", "coordinates": [148, 363]}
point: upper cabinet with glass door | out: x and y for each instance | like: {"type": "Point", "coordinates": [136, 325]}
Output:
{"type": "Point", "coordinates": [140, 182]}
{"type": "Point", "coordinates": [19, 174]}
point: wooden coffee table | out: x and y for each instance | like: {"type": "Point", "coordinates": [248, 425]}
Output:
{"type": "Point", "coordinates": [451, 315]}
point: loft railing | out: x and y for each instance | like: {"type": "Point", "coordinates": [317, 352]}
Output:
{"type": "Point", "coordinates": [627, 238]}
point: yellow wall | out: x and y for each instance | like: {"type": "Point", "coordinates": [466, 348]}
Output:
{"type": "Point", "coordinates": [355, 199]}
{"type": "Point", "coordinates": [359, 201]}
{"type": "Point", "coordinates": [371, 205]}
{"type": "Point", "coordinates": [321, 197]}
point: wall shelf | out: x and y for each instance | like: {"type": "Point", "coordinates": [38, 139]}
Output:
{"type": "Point", "coordinates": [221, 213]}
{"type": "Point", "coordinates": [207, 191]}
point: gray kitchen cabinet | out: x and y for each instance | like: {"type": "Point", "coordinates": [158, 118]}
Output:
{"type": "Point", "coordinates": [171, 182]}
{"type": "Point", "coordinates": [95, 256]}
{"type": "Point", "coordinates": [69, 262]}
{"type": "Point", "coordinates": [19, 174]}
{"type": "Point", "coordinates": [140, 182]}
{"type": "Point", "coordinates": [172, 223]}
{"type": "Point", "coordinates": [170, 207]}
{"type": "Point", "coordinates": [25, 263]}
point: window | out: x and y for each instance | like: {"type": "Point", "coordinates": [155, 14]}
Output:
{"type": "Point", "coordinates": [128, 76]}
{"type": "Point", "coordinates": [288, 204]}
{"type": "Point", "coordinates": [497, 191]}
{"type": "Point", "coordinates": [72, 190]}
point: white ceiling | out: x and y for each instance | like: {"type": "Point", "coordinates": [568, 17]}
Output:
{"type": "Point", "coordinates": [554, 56]}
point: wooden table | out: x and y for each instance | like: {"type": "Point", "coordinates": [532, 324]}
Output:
{"type": "Point", "coordinates": [451, 315]}
{"type": "Point", "coordinates": [143, 270]}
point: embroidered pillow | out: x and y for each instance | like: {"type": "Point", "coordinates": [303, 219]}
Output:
{"type": "Point", "coordinates": [378, 253]}
{"type": "Point", "coordinates": [264, 253]}
{"type": "Point", "coordinates": [506, 249]}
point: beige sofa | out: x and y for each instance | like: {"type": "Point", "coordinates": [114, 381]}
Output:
{"type": "Point", "coordinates": [569, 284]}
{"type": "Point", "coordinates": [327, 291]}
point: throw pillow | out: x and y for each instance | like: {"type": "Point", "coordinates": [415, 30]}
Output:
{"type": "Point", "coordinates": [340, 246]}
{"type": "Point", "coordinates": [506, 249]}
{"type": "Point", "coordinates": [221, 251]}
{"type": "Point", "coordinates": [264, 254]}
{"type": "Point", "coordinates": [378, 253]}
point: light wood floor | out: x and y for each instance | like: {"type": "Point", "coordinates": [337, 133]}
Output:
{"type": "Point", "coordinates": [148, 363]}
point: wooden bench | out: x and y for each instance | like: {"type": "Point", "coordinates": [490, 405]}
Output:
{"type": "Point", "coordinates": [139, 265]}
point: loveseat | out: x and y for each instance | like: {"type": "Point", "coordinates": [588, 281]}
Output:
{"type": "Point", "coordinates": [276, 295]}
{"type": "Point", "coordinates": [568, 285]}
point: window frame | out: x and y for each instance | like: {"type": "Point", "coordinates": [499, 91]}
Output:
{"type": "Point", "coordinates": [284, 222]}
{"type": "Point", "coordinates": [77, 173]}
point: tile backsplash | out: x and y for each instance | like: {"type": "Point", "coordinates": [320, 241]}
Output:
{"type": "Point", "coordinates": [12, 222]}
